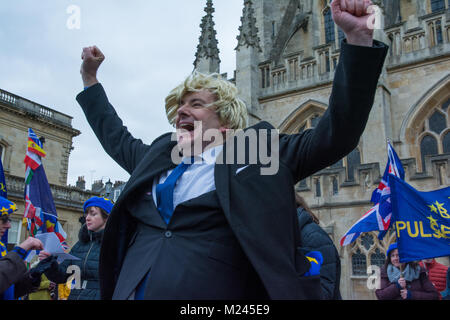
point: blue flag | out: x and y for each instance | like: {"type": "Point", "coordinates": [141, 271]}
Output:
{"type": "Point", "coordinates": [3, 193]}
{"type": "Point", "coordinates": [422, 221]}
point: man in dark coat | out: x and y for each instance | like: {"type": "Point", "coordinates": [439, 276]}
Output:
{"type": "Point", "coordinates": [231, 231]}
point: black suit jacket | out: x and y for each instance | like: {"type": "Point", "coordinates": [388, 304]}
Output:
{"type": "Point", "coordinates": [260, 209]}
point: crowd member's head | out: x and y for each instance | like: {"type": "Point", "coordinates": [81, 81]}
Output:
{"type": "Point", "coordinates": [6, 208]}
{"type": "Point", "coordinates": [392, 256]}
{"type": "Point", "coordinates": [301, 203]}
{"type": "Point", "coordinates": [208, 99]}
{"type": "Point", "coordinates": [97, 210]}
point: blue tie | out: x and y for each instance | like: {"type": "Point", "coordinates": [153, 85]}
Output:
{"type": "Point", "coordinates": [164, 191]}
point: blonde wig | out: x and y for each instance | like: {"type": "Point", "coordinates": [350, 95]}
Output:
{"type": "Point", "coordinates": [231, 110]}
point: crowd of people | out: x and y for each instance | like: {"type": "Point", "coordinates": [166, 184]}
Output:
{"type": "Point", "coordinates": [205, 227]}
{"type": "Point", "coordinates": [50, 280]}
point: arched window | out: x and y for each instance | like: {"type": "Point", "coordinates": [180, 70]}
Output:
{"type": "Point", "coordinates": [367, 250]}
{"type": "Point", "coordinates": [1, 153]}
{"type": "Point", "coordinates": [434, 138]}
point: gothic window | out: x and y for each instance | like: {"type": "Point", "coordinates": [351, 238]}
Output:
{"type": "Point", "coordinates": [446, 143]}
{"type": "Point", "coordinates": [369, 250]}
{"type": "Point", "coordinates": [428, 146]}
{"type": "Point", "coordinates": [353, 160]}
{"type": "Point", "coordinates": [435, 32]}
{"type": "Point", "coordinates": [439, 38]}
{"type": "Point", "coordinates": [437, 122]}
{"type": "Point", "coordinates": [318, 191]}
{"type": "Point", "coordinates": [327, 62]}
{"type": "Point", "coordinates": [377, 258]}
{"type": "Point", "coordinates": [367, 240]}
{"type": "Point", "coordinates": [334, 183]}
{"type": "Point", "coordinates": [359, 263]}
{"type": "Point", "coordinates": [437, 5]}
{"type": "Point", "coordinates": [445, 105]}
{"type": "Point", "coordinates": [265, 77]}
{"type": "Point", "coordinates": [435, 136]}
{"type": "Point", "coordinates": [329, 26]}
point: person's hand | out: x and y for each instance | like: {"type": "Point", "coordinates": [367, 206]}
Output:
{"type": "Point", "coordinates": [92, 59]}
{"type": "Point", "coordinates": [31, 244]}
{"type": "Point", "coordinates": [43, 255]}
{"type": "Point", "coordinates": [404, 294]}
{"type": "Point", "coordinates": [353, 18]}
{"type": "Point", "coordinates": [402, 282]}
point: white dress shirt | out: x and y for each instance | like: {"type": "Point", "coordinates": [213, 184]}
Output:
{"type": "Point", "coordinates": [195, 181]}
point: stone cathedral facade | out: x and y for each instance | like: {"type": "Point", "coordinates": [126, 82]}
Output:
{"type": "Point", "coordinates": [286, 54]}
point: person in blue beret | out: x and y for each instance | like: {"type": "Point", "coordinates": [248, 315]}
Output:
{"type": "Point", "coordinates": [84, 284]}
{"type": "Point", "coordinates": [15, 280]}
{"type": "Point", "coordinates": [404, 281]}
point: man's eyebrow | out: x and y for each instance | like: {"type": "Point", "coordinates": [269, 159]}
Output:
{"type": "Point", "coordinates": [194, 100]}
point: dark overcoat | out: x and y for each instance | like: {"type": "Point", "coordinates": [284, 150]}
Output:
{"type": "Point", "coordinates": [260, 209]}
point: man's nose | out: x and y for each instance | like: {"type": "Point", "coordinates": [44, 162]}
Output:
{"type": "Point", "coordinates": [183, 108]}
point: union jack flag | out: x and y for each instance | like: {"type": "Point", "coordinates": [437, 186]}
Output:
{"type": "Point", "coordinates": [378, 218]}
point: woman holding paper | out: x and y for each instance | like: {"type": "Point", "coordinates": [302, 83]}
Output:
{"type": "Point", "coordinates": [404, 281]}
{"type": "Point", "coordinates": [82, 275]}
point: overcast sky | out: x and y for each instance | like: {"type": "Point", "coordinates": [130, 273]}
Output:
{"type": "Point", "coordinates": [149, 46]}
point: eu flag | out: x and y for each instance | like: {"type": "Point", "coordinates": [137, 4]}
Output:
{"type": "Point", "coordinates": [422, 221]}
{"type": "Point", "coordinates": [3, 193]}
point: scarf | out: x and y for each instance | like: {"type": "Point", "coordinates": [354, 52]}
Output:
{"type": "Point", "coordinates": [409, 274]}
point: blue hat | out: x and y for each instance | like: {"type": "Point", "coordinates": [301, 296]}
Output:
{"type": "Point", "coordinates": [6, 207]}
{"type": "Point", "coordinates": [391, 247]}
{"type": "Point", "coordinates": [103, 203]}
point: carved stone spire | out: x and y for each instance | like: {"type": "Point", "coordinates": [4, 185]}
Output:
{"type": "Point", "coordinates": [248, 32]}
{"type": "Point", "coordinates": [207, 55]}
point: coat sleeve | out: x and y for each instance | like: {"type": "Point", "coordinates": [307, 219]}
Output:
{"type": "Point", "coordinates": [427, 292]}
{"type": "Point", "coordinates": [109, 129]}
{"type": "Point", "coordinates": [339, 130]}
{"type": "Point", "coordinates": [58, 271]}
{"type": "Point", "coordinates": [12, 270]}
{"type": "Point", "coordinates": [24, 286]}
{"type": "Point", "coordinates": [388, 290]}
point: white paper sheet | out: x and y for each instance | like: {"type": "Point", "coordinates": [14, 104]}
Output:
{"type": "Point", "coordinates": [53, 246]}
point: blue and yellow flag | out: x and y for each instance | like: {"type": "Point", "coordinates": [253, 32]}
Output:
{"type": "Point", "coordinates": [3, 193]}
{"type": "Point", "coordinates": [422, 221]}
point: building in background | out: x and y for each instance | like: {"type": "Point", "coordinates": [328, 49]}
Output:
{"type": "Point", "coordinates": [55, 130]}
{"type": "Point", "coordinates": [286, 54]}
